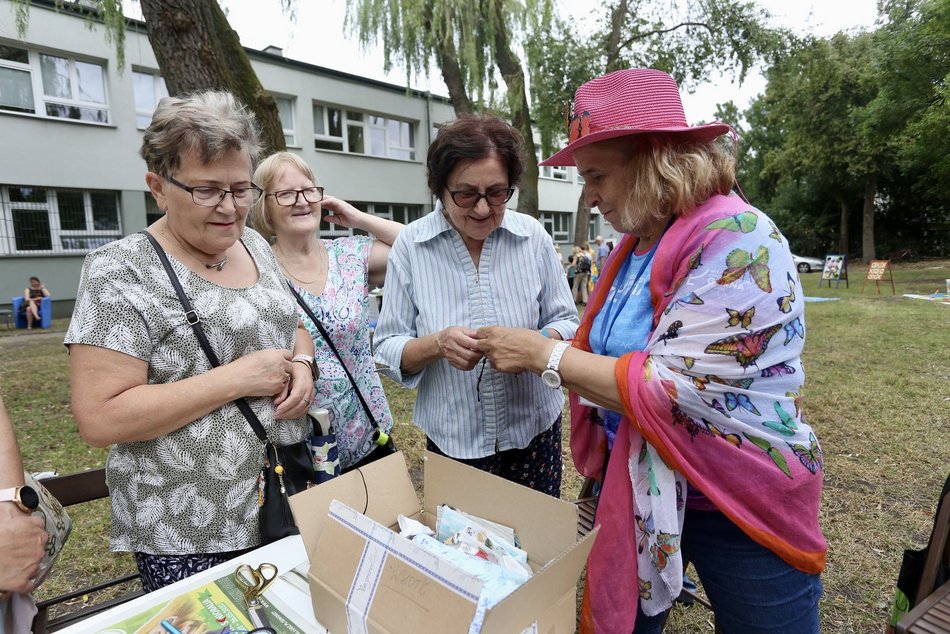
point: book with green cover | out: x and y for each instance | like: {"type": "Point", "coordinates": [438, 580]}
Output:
{"type": "Point", "coordinates": [217, 606]}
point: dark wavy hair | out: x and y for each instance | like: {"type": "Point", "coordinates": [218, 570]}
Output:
{"type": "Point", "coordinates": [473, 137]}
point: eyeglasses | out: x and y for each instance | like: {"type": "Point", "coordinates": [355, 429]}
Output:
{"type": "Point", "coordinates": [468, 198]}
{"type": "Point", "coordinates": [288, 197]}
{"type": "Point", "coordinates": [205, 196]}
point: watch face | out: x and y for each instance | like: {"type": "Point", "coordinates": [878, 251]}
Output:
{"type": "Point", "coordinates": [29, 498]}
{"type": "Point", "coordinates": [551, 378]}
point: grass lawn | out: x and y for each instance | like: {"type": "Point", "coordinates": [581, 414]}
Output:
{"type": "Point", "coordinates": [877, 394]}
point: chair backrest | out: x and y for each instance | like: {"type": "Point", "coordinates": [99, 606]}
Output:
{"type": "Point", "coordinates": [46, 312]}
{"type": "Point", "coordinates": [72, 489]}
{"type": "Point", "coordinates": [938, 549]}
{"type": "Point", "coordinates": [77, 488]}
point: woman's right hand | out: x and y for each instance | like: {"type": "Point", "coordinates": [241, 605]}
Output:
{"type": "Point", "coordinates": [263, 373]}
{"type": "Point", "coordinates": [458, 346]}
{"type": "Point", "coordinates": [22, 546]}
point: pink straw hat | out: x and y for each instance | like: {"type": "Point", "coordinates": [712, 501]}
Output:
{"type": "Point", "coordinates": [625, 102]}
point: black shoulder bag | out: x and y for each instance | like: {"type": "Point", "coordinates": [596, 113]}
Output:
{"type": "Point", "coordinates": [384, 444]}
{"type": "Point", "coordinates": [287, 469]}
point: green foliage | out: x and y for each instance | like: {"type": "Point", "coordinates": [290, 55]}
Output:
{"type": "Point", "coordinates": [413, 32]}
{"type": "Point", "coordinates": [873, 394]}
{"type": "Point", "coordinates": [857, 108]}
{"type": "Point", "coordinates": [108, 11]}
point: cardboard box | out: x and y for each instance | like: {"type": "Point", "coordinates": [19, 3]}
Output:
{"type": "Point", "coordinates": [366, 578]}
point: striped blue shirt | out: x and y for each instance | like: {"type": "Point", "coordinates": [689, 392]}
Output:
{"type": "Point", "coordinates": [432, 284]}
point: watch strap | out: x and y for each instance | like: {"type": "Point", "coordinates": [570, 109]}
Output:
{"type": "Point", "coordinates": [554, 361]}
{"type": "Point", "coordinates": [308, 361]}
{"type": "Point", "coordinates": [13, 495]}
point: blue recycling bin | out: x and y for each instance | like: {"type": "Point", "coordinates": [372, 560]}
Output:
{"type": "Point", "coordinates": [46, 312]}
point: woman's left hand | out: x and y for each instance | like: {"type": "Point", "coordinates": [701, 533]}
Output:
{"type": "Point", "coordinates": [294, 400]}
{"type": "Point", "coordinates": [514, 349]}
{"type": "Point", "coordinates": [341, 213]}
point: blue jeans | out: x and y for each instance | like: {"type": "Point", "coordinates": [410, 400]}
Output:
{"type": "Point", "coordinates": [751, 589]}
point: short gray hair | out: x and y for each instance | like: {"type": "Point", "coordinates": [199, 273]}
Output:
{"type": "Point", "coordinates": [209, 123]}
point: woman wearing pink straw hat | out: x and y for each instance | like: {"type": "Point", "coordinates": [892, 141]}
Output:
{"type": "Point", "coordinates": [685, 377]}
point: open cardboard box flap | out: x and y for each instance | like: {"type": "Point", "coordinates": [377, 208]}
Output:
{"type": "Point", "coordinates": [339, 551]}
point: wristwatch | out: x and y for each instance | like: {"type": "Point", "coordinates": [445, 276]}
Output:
{"type": "Point", "coordinates": [308, 361]}
{"type": "Point", "coordinates": [551, 376]}
{"type": "Point", "coordinates": [24, 497]}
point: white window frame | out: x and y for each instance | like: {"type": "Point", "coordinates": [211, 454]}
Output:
{"type": "Point", "coordinates": [407, 214]}
{"type": "Point", "coordinates": [41, 100]}
{"type": "Point", "coordinates": [558, 224]}
{"type": "Point", "coordinates": [324, 123]}
{"type": "Point", "coordinates": [289, 127]}
{"type": "Point", "coordinates": [366, 122]}
{"type": "Point", "coordinates": [57, 233]}
{"type": "Point", "coordinates": [159, 90]}
{"type": "Point", "coordinates": [555, 172]}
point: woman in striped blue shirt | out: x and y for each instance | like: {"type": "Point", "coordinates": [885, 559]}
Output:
{"type": "Point", "coordinates": [470, 264]}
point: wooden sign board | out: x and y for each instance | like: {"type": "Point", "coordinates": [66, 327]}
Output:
{"type": "Point", "coordinates": [836, 269]}
{"type": "Point", "coordinates": [877, 270]}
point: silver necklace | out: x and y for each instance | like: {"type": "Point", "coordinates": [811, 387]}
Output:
{"type": "Point", "coordinates": [214, 265]}
{"type": "Point", "coordinates": [284, 266]}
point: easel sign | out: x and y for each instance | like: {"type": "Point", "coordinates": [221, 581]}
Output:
{"type": "Point", "coordinates": [877, 269]}
{"type": "Point", "coordinates": [836, 268]}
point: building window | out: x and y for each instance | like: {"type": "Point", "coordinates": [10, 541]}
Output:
{"type": "Point", "coordinates": [285, 107]}
{"type": "Point", "coordinates": [40, 219]}
{"type": "Point", "coordinates": [400, 213]}
{"type": "Point", "coordinates": [363, 133]}
{"type": "Point", "coordinates": [557, 172]}
{"type": "Point", "coordinates": [558, 225]}
{"type": "Point", "coordinates": [152, 212]}
{"type": "Point", "coordinates": [149, 88]}
{"type": "Point", "coordinates": [52, 86]}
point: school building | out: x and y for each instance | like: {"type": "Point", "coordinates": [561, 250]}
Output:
{"type": "Point", "coordinates": [71, 123]}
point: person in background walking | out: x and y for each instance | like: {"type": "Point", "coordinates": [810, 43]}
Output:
{"type": "Point", "coordinates": [582, 264]}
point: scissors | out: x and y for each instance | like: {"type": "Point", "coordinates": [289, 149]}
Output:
{"type": "Point", "coordinates": [254, 581]}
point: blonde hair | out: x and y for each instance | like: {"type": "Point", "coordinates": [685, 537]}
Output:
{"type": "Point", "coordinates": [669, 177]}
{"type": "Point", "coordinates": [264, 176]}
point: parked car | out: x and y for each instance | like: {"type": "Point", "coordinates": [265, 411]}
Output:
{"type": "Point", "coordinates": [807, 265]}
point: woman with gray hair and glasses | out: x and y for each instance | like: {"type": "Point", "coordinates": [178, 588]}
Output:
{"type": "Point", "coordinates": [333, 278]}
{"type": "Point", "coordinates": [184, 462]}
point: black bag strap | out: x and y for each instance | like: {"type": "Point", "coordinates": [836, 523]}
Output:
{"type": "Point", "coordinates": [326, 337]}
{"type": "Point", "coordinates": [195, 322]}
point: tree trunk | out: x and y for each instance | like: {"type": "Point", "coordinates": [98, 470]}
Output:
{"type": "Point", "coordinates": [448, 60]}
{"type": "Point", "coordinates": [581, 222]}
{"type": "Point", "coordinates": [197, 50]}
{"type": "Point", "coordinates": [613, 62]}
{"type": "Point", "coordinates": [867, 228]}
{"type": "Point", "coordinates": [452, 76]}
{"type": "Point", "coordinates": [612, 45]}
{"type": "Point", "coordinates": [510, 67]}
{"type": "Point", "coordinates": [843, 238]}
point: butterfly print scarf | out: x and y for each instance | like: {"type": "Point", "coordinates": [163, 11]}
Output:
{"type": "Point", "coordinates": [714, 399]}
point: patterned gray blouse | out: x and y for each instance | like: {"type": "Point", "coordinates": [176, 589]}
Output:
{"type": "Point", "coordinates": [194, 489]}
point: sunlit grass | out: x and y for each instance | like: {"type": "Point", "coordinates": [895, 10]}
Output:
{"type": "Point", "coordinates": [877, 394]}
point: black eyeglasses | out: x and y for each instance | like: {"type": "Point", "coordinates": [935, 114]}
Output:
{"type": "Point", "coordinates": [468, 198]}
{"type": "Point", "coordinates": [206, 196]}
{"type": "Point", "coordinates": [288, 197]}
